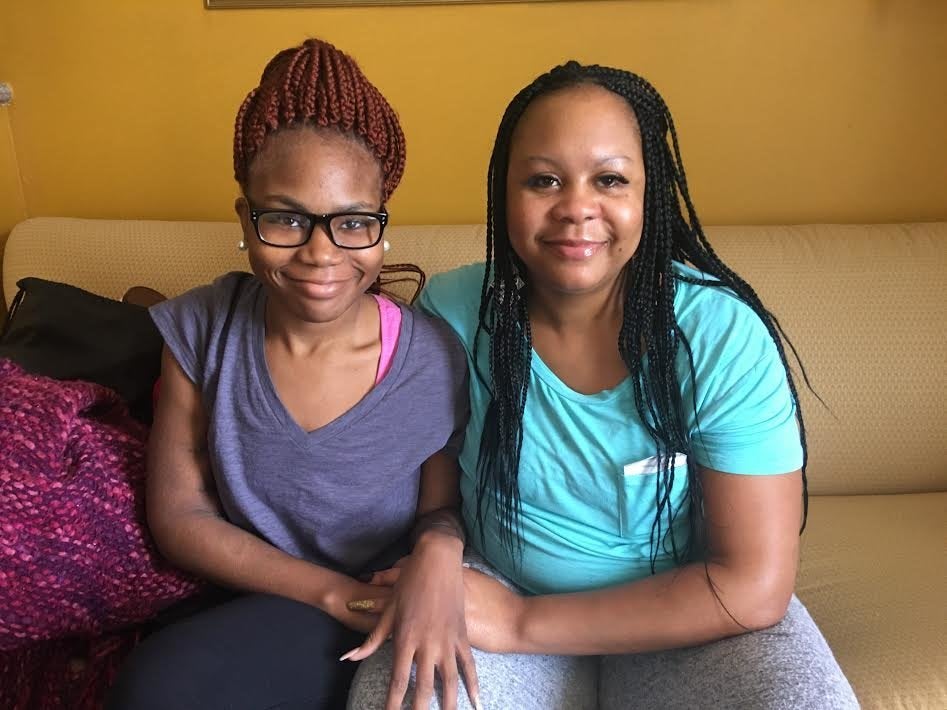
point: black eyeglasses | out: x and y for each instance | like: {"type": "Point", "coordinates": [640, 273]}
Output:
{"type": "Point", "coordinates": [347, 230]}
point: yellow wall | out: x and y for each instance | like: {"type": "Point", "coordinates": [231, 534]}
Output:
{"type": "Point", "coordinates": [12, 208]}
{"type": "Point", "coordinates": [788, 112]}
{"type": "Point", "coordinates": [11, 192]}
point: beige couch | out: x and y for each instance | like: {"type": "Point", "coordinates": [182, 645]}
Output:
{"type": "Point", "coordinates": [867, 308]}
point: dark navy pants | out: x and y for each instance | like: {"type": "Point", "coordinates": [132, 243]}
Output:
{"type": "Point", "coordinates": [253, 652]}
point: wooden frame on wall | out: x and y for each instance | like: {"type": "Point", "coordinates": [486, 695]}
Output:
{"type": "Point", "coordinates": [236, 4]}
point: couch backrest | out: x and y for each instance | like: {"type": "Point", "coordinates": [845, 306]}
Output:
{"type": "Point", "coordinates": [866, 305]}
{"type": "Point", "coordinates": [109, 256]}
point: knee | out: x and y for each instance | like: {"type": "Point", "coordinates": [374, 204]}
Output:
{"type": "Point", "coordinates": [144, 683]}
{"type": "Point", "coordinates": [168, 670]}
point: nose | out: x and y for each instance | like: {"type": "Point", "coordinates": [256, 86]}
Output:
{"type": "Point", "coordinates": [319, 250]}
{"type": "Point", "coordinates": [576, 203]}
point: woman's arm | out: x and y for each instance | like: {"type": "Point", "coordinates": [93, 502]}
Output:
{"type": "Point", "coordinates": [425, 615]}
{"type": "Point", "coordinates": [185, 517]}
{"type": "Point", "coordinates": [438, 512]}
{"type": "Point", "coordinates": [752, 530]}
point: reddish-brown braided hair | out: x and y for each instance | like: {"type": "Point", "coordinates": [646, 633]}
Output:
{"type": "Point", "coordinates": [316, 84]}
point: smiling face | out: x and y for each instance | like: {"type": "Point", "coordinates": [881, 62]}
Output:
{"type": "Point", "coordinates": [316, 172]}
{"type": "Point", "coordinates": [575, 189]}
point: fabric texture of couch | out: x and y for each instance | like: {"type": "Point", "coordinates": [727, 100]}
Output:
{"type": "Point", "coordinates": [865, 305]}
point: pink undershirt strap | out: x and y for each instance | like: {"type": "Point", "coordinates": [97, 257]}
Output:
{"type": "Point", "coordinates": [390, 317]}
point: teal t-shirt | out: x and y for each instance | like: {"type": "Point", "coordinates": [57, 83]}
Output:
{"type": "Point", "coordinates": [587, 467]}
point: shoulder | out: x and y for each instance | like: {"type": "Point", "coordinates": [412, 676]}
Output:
{"type": "Point", "coordinates": [454, 297]}
{"type": "Point", "coordinates": [745, 417]}
{"type": "Point", "coordinates": [454, 290]}
{"type": "Point", "coordinates": [193, 323]}
{"type": "Point", "coordinates": [719, 326]}
{"type": "Point", "coordinates": [204, 301]}
{"type": "Point", "coordinates": [434, 343]}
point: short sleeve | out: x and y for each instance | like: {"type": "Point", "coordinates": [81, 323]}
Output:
{"type": "Point", "coordinates": [458, 387]}
{"type": "Point", "coordinates": [746, 419]}
{"type": "Point", "coordinates": [188, 323]}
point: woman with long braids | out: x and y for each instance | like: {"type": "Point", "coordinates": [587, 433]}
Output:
{"type": "Point", "coordinates": [307, 427]}
{"type": "Point", "coordinates": [633, 470]}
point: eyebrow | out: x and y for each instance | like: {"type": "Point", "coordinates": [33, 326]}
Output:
{"type": "Point", "coordinates": [286, 201]}
{"type": "Point", "coordinates": [599, 161]}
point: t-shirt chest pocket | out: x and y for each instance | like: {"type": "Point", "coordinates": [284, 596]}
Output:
{"type": "Point", "coordinates": [638, 494]}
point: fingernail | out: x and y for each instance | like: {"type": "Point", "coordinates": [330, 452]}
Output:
{"type": "Point", "coordinates": [477, 705]}
{"type": "Point", "coordinates": [351, 653]}
{"type": "Point", "coordinates": [361, 605]}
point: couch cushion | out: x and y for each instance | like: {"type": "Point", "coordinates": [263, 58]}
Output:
{"type": "Point", "coordinates": [874, 577]}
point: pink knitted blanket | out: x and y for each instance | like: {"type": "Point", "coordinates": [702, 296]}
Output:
{"type": "Point", "coordinates": [76, 561]}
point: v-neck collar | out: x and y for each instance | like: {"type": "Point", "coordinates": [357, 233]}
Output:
{"type": "Point", "coordinates": [284, 420]}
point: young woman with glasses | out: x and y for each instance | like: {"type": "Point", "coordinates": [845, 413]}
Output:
{"type": "Point", "coordinates": [307, 430]}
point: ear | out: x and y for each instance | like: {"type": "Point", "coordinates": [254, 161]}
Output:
{"type": "Point", "coordinates": [242, 208]}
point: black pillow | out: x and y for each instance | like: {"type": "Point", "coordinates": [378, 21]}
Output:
{"type": "Point", "coordinates": [66, 333]}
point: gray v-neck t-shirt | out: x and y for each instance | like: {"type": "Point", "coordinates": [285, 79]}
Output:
{"type": "Point", "coordinates": [338, 496]}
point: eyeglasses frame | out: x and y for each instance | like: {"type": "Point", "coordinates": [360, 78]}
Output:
{"type": "Point", "coordinates": [325, 220]}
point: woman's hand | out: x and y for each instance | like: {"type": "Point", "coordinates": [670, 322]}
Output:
{"type": "Point", "coordinates": [425, 618]}
{"type": "Point", "coordinates": [342, 591]}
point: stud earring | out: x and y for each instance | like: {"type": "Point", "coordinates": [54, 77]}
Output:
{"type": "Point", "coordinates": [242, 245]}
{"type": "Point", "coordinates": [386, 245]}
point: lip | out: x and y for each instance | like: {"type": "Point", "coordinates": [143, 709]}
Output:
{"type": "Point", "coordinates": [575, 249]}
{"type": "Point", "coordinates": [319, 289]}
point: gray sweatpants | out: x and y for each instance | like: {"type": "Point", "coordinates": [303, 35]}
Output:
{"type": "Point", "coordinates": [787, 667]}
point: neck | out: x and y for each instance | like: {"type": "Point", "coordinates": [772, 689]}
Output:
{"type": "Point", "coordinates": [302, 338]}
{"type": "Point", "coordinates": [572, 313]}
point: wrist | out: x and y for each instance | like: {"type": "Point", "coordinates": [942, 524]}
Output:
{"type": "Point", "coordinates": [445, 521]}
{"type": "Point", "coordinates": [440, 539]}
{"type": "Point", "coordinates": [324, 592]}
